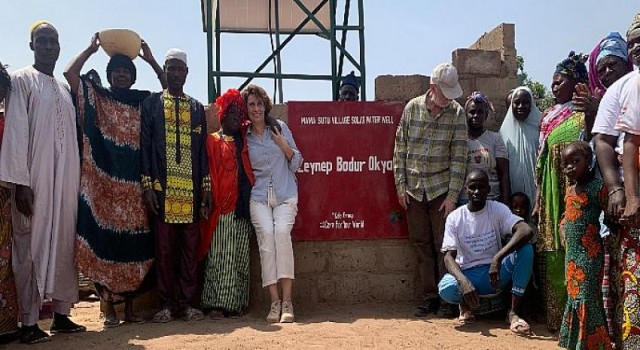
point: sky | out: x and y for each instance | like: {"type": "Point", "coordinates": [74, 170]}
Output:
{"type": "Point", "coordinates": [401, 37]}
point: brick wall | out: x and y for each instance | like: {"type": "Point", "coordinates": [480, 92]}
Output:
{"type": "Point", "coordinates": [488, 65]}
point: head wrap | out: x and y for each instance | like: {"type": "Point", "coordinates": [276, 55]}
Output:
{"type": "Point", "coordinates": [478, 96]}
{"type": "Point", "coordinates": [176, 54]}
{"type": "Point", "coordinates": [351, 79]}
{"type": "Point", "coordinates": [36, 24]}
{"type": "Point", "coordinates": [635, 24]}
{"type": "Point", "coordinates": [228, 99]}
{"type": "Point", "coordinates": [522, 138]}
{"type": "Point", "coordinates": [574, 67]}
{"type": "Point", "coordinates": [121, 61]}
{"type": "Point", "coordinates": [612, 45]}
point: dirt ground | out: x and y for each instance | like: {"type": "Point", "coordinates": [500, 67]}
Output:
{"type": "Point", "coordinates": [367, 326]}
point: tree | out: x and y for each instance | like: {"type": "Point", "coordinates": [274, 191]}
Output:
{"type": "Point", "coordinates": [542, 96]}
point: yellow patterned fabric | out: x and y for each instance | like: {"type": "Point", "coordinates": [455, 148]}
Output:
{"type": "Point", "coordinates": [178, 202]}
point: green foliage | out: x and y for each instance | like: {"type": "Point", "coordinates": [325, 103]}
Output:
{"type": "Point", "coordinates": [542, 96]}
{"type": "Point", "coordinates": [521, 75]}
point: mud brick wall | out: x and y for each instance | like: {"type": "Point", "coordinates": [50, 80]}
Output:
{"type": "Point", "coordinates": [488, 65]}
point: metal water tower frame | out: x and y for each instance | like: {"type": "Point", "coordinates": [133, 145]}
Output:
{"type": "Point", "coordinates": [338, 47]}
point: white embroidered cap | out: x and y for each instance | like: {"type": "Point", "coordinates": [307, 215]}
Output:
{"type": "Point", "coordinates": [176, 54]}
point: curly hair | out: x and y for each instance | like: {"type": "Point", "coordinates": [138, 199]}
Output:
{"type": "Point", "coordinates": [230, 98]}
{"type": "Point", "coordinates": [582, 147]}
{"type": "Point", "coordinates": [5, 79]}
{"type": "Point", "coordinates": [258, 92]}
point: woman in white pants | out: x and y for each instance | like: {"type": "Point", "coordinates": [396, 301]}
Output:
{"type": "Point", "coordinates": [274, 198]}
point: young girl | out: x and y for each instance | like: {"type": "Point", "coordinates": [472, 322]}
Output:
{"type": "Point", "coordinates": [584, 323]}
{"type": "Point", "coordinates": [521, 206]}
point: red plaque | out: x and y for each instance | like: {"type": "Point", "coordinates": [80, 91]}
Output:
{"type": "Point", "coordinates": [345, 184]}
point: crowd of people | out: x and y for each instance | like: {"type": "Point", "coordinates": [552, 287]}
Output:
{"type": "Point", "coordinates": [548, 207]}
{"type": "Point", "coordinates": [128, 188]}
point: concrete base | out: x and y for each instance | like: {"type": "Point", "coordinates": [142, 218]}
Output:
{"type": "Point", "coordinates": [345, 272]}
{"type": "Point", "coordinates": [336, 272]}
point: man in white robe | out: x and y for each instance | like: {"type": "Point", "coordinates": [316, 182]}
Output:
{"type": "Point", "coordinates": [39, 159]}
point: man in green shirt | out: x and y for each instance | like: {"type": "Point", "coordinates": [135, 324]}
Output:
{"type": "Point", "coordinates": [429, 163]}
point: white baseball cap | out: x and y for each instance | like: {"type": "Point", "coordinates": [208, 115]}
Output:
{"type": "Point", "coordinates": [445, 76]}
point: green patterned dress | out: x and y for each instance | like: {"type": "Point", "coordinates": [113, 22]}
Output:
{"type": "Point", "coordinates": [552, 186]}
{"type": "Point", "coordinates": [584, 324]}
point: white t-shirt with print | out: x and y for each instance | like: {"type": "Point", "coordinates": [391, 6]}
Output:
{"type": "Point", "coordinates": [476, 236]}
{"type": "Point", "coordinates": [482, 154]}
{"type": "Point", "coordinates": [624, 102]}
{"type": "Point", "coordinates": [617, 108]}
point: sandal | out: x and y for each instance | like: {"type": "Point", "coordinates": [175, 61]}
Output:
{"type": "Point", "coordinates": [216, 314]}
{"type": "Point", "coordinates": [111, 322]}
{"type": "Point", "coordinates": [466, 317]}
{"type": "Point", "coordinates": [162, 316]}
{"type": "Point", "coordinates": [134, 319]}
{"type": "Point", "coordinates": [518, 326]}
{"type": "Point", "coordinates": [191, 314]}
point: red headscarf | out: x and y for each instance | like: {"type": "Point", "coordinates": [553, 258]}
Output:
{"type": "Point", "coordinates": [228, 99]}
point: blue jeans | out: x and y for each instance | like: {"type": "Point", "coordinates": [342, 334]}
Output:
{"type": "Point", "coordinates": [516, 268]}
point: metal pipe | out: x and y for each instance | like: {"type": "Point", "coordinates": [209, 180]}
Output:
{"type": "Point", "coordinates": [279, 62]}
{"type": "Point", "coordinates": [332, 37]}
{"type": "Point", "coordinates": [218, 80]}
{"type": "Point", "coordinates": [343, 41]}
{"type": "Point", "coordinates": [210, 82]}
{"type": "Point", "coordinates": [363, 67]}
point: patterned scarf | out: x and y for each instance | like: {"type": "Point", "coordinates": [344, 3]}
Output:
{"type": "Point", "coordinates": [574, 67]}
{"type": "Point", "coordinates": [612, 45]}
{"type": "Point", "coordinates": [553, 117]}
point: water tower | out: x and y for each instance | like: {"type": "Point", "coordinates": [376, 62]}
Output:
{"type": "Point", "coordinates": [285, 19]}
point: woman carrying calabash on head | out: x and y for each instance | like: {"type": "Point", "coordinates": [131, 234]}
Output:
{"type": "Point", "coordinates": [274, 199]}
{"type": "Point", "coordinates": [226, 232]}
{"type": "Point", "coordinates": [114, 243]}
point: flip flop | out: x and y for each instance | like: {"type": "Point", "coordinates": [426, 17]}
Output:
{"type": "Point", "coordinates": [134, 319]}
{"type": "Point", "coordinates": [111, 322]}
{"type": "Point", "coordinates": [216, 314]}
{"type": "Point", "coordinates": [519, 326]}
{"type": "Point", "coordinates": [191, 314]}
{"type": "Point", "coordinates": [466, 317]}
{"type": "Point", "coordinates": [162, 316]}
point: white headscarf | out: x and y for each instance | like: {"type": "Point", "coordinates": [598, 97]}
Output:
{"type": "Point", "coordinates": [521, 139]}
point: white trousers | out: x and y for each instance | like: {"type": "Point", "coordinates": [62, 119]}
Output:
{"type": "Point", "coordinates": [273, 230]}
